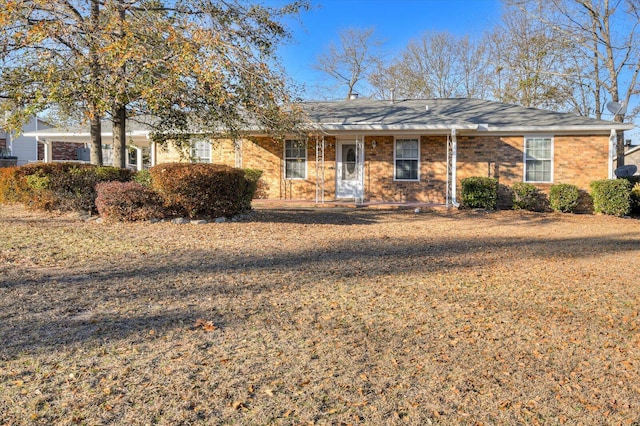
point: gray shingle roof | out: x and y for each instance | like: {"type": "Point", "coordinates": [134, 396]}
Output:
{"type": "Point", "coordinates": [447, 113]}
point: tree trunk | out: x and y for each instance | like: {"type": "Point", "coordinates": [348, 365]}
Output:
{"type": "Point", "coordinates": [119, 109]}
{"type": "Point", "coordinates": [96, 140]}
{"type": "Point", "coordinates": [618, 118]}
{"type": "Point", "coordinates": [95, 123]}
{"type": "Point", "coordinates": [120, 137]}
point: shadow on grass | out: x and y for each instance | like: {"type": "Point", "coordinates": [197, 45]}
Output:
{"type": "Point", "coordinates": [46, 311]}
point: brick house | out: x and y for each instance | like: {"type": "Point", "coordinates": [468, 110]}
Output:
{"type": "Point", "coordinates": [413, 150]}
{"type": "Point", "coordinates": [419, 150]}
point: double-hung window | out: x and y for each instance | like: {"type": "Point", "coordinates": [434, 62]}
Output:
{"type": "Point", "coordinates": [295, 159]}
{"type": "Point", "coordinates": [407, 159]}
{"type": "Point", "coordinates": [201, 151]}
{"type": "Point", "coordinates": [538, 159]}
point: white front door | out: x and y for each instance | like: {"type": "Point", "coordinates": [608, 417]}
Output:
{"type": "Point", "coordinates": [349, 170]}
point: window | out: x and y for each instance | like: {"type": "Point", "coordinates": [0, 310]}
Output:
{"type": "Point", "coordinates": [407, 158]}
{"type": "Point", "coordinates": [295, 159]}
{"type": "Point", "coordinates": [538, 159]}
{"type": "Point", "coordinates": [200, 151]}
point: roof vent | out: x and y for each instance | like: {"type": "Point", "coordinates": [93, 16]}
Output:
{"type": "Point", "coordinates": [353, 95]}
{"type": "Point", "coordinates": [426, 107]}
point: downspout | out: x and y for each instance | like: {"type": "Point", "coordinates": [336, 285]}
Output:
{"type": "Point", "coordinates": [613, 140]}
{"type": "Point", "coordinates": [454, 160]}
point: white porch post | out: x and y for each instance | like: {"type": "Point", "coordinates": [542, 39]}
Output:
{"type": "Point", "coordinates": [613, 141]}
{"type": "Point", "coordinates": [152, 151]}
{"type": "Point", "coordinates": [454, 161]}
{"type": "Point", "coordinates": [138, 158]}
{"type": "Point", "coordinates": [48, 151]}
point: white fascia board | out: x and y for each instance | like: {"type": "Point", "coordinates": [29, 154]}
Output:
{"type": "Point", "coordinates": [66, 135]}
{"type": "Point", "coordinates": [605, 129]}
{"type": "Point", "coordinates": [331, 127]}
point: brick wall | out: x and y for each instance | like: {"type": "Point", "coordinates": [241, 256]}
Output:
{"type": "Point", "coordinates": [577, 160]}
{"type": "Point", "coordinates": [3, 144]}
{"type": "Point", "coordinates": [61, 151]}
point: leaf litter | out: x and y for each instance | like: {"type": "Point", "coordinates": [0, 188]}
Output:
{"type": "Point", "coordinates": [321, 317]}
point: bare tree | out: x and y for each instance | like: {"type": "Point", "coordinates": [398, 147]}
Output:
{"type": "Point", "coordinates": [529, 63]}
{"type": "Point", "coordinates": [437, 64]}
{"type": "Point", "coordinates": [605, 34]}
{"type": "Point", "coordinates": [353, 60]}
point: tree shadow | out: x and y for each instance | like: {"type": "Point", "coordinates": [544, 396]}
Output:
{"type": "Point", "coordinates": [105, 303]}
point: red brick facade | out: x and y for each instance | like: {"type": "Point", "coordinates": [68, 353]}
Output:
{"type": "Point", "coordinates": [61, 151]}
{"type": "Point", "coordinates": [577, 160]}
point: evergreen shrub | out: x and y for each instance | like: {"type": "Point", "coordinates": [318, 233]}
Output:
{"type": "Point", "coordinates": [479, 192]}
{"type": "Point", "coordinates": [564, 197]}
{"type": "Point", "coordinates": [611, 196]}
{"type": "Point", "coordinates": [525, 196]}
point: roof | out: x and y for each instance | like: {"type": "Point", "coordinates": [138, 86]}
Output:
{"type": "Point", "coordinates": [632, 149]}
{"type": "Point", "coordinates": [439, 114]}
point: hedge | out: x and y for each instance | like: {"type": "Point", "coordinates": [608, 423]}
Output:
{"type": "Point", "coordinates": [611, 196]}
{"type": "Point", "coordinates": [201, 190]}
{"type": "Point", "coordinates": [564, 197]}
{"type": "Point", "coordinates": [479, 192]}
{"type": "Point", "coordinates": [635, 199]}
{"type": "Point", "coordinates": [525, 196]}
{"type": "Point", "coordinates": [128, 201]}
{"type": "Point", "coordinates": [60, 186]}
{"type": "Point", "coordinates": [9, 191]}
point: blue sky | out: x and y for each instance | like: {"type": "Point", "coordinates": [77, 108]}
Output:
{"type": "Point", "coordinates": [396, 22]}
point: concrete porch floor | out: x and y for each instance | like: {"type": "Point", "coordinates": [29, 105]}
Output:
{"type": "Point", "coordinates": [259, 204]}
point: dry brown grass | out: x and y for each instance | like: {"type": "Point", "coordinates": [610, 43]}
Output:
{"type": "Point", "coordinates": [321, 317]}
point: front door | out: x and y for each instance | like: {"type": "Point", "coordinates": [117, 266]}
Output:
{"type": "Point", "coordinates": [349, 170]}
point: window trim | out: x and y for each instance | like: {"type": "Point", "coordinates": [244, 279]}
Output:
{"type": "Point", "coordinates": [395, 159]}
{"type": "Point", "coordinates": [197, 159]}
{"type": "Point", "coordinates": [524, 158]}
{"type": "Point", "coordinates": [285, 159]}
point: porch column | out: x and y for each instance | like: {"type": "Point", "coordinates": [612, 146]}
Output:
{"type": "Point", "coordinates": [613, 141]}
{"type": "Point", "coordinates": [454, 162]}
{"type": "Point", "coordinates": [152, 151]}
{"type": "Point", "coordinates": [138, 158]}
{"type": "Point", "coordinates": [48, 151]}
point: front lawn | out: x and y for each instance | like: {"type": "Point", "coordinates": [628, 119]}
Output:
{"type": "Point", "coordinates": [321, 317]}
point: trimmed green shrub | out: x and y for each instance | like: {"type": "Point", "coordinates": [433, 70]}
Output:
{"type": "Point", "coordinates": [128, 201]}
{"type": "Point", "coordinates": [611, 196]}
{"type": "Point", "coordinates": [635, 199]}
{"type": "Point", "coordinates": [143, 177]}
{"type": "Point", "coordinates": [64, 186]}
{"type": "Point", "coordinates": [480, 192]}
{"type": "Point", "coordinates": [252, 177]}
{"type": "Point", "coordinates": [564, 197]}
{"type": "Point", "coordinates": [200, 190]}
{"type": "Point", "coordinates": [525, 196]}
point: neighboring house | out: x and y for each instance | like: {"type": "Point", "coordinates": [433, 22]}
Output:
{"type": "Point", "coordinates": [413, 150]}
{"type": "Point", "coordinates": [73, 144]}
{"type": "Point", "coordinates": [632, 156]}
{"type": "Point", "coordinates": [22, 146]}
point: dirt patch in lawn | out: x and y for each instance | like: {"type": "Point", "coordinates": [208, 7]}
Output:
{"type": "Point", "coordinates": [321, 317]}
